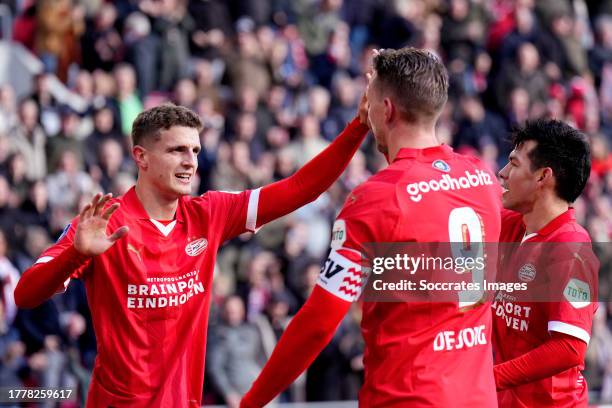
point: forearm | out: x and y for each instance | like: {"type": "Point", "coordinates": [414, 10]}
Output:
{"type": "Point", "coordinates": [559, 353]}
{"type": "Point", "coordinates": [307, 334]}
{"type": "Point", "coordinates": [315, 177]}
{"type": "Point", "coordinates": [43, 280]}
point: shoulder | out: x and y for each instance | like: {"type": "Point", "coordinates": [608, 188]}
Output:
{"type": "Point", "coordinates": [201, 199]}
{"type": "Point", "coordinates": [571, 232]}
{"type": "Point", "coordinates": [217, 195]}
{"type": "Point", "coordinates": [369, 212]}
{"type": "Point", "coordinates": [474, 163]}
{"type": "Point", "coordinates": [376, 194]}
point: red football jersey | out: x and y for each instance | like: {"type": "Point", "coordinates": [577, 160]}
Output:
{"type": "Point", "coordinates": [149, 296]}
{"type": "Point", "coordinates": [560, 269]}
{"type": "Point", "coordinates": [419, 354]}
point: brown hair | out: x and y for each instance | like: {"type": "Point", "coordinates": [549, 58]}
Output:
{"type": "Point", "coordinates": [416, 78]}
{"type": "Point", "coordinates": [149, 123]}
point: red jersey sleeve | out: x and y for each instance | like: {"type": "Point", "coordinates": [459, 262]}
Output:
{"type": "Point", "coordinates": [573, 270]}
{"type": "Point", "coordinates": [362, 220]}
{"type": "Point", "coordinates": [234, 212]}
{"type": "Point", "coordinates": [246, 211]}
{"type": "Point", "coordinates": [52, 271]}
{"type": "Point", "coordinates": [63, 243]}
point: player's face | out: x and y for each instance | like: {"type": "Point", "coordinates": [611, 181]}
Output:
{"type": "Point", "coordinates": [169, 164]}
{"type": "Point", "coordinates": [519, 182]}
{"type": "Point", "coordinates": [376, 113]}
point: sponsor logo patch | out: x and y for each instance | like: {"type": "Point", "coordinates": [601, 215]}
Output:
{"type": "Point", "coordinates": [338, 237]}
{"type": "Point", "coordinates": [195, 248]}
{"type": "Point", "coordinates": [578, 293]}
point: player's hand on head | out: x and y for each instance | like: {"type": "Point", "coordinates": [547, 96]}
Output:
{"type": "Point", "coordinates": [90, 238]}
{"type": "Point", "coordinates": [362, 112]}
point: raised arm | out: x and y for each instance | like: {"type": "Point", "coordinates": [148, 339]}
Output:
{"type": "Point", "coordinates": [316, 176]}
{"type": "Point", "coordinates": [307, 334]}
{"type": "Point", "coordinates": [70, 254]}
{"type": "Point", "coordinates": [339, 284]}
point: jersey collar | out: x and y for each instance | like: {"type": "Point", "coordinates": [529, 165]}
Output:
{"type": "Point", "coordinates": [564, 218]}
{"type": "Point", "coordinates": [133, 206]}
{"type": "Point", "coordinates": [429, 153]}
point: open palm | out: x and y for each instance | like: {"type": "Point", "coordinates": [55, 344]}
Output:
{"type": "Point", "coordinates": [90, 238]}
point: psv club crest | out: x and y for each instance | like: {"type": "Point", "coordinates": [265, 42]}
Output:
{"type": "Point", "coordinates": [195, 248]}
{"type": "Point", "coordinates": [527, 273]}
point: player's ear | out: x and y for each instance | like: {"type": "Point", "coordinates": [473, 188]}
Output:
{"type": "Point", "coordinates": [389, 109]}
{"type": "Point", "coordinates": [546, 175]}
{"type": "Point", "coordinates": [139, 154]}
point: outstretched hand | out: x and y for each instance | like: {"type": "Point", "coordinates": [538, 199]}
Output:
{"type": "Point", "coordinates": [90, 238]}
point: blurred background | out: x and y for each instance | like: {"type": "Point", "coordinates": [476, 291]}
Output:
{"type": "Point", "coordinates": [274, 81]}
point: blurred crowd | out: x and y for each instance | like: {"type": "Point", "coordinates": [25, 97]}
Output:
{"type": "Point", "coordinates": [273, 81]}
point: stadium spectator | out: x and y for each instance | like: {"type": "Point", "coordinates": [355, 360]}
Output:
{"type": "Point", "coordinates": [29, 139]}
{"type": "Point", "coordinates": [128, 101]}
{"type": "Point", "coordinates": [142, 51]}
{"type": "Point", "coordinates": [235, 354]}
{"type": "Point", "coordinates": [59, 25]}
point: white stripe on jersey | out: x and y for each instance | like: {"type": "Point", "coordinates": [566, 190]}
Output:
{"type": "Point", "coordinates": [570, 329]}
{"type": "Point", "coordinates": [251, 219]}
{"type": "Point", "coordinates": [43, 259]}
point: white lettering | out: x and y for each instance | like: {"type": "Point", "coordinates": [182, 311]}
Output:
{"type": "Point", "coordinates": [446, 183]}
{"type": "Point", "coordinates": [468, 338]}
{"type": "Point", "coordinates": [198, 288]}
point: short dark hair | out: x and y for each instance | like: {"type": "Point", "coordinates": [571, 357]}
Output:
{"type": "Point", "coordinates": [562, 148]}
{"type": "Point", "coordinates": [149, 123]}
{"type": "Point", "coordinates": [417, 79]}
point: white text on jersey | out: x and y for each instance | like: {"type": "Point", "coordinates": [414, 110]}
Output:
{"type": "Point", "coordinates": [447, 183]}
{"type": "Point", "coordinates": [468, 337]}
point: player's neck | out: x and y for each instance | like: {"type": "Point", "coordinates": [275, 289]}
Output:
{"type": "Point", "coordinates": [156, 206]}
{"type": "Point", "coordinates": [543, 212]}
{"type": "Point", "coordinates": [411, 136]}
